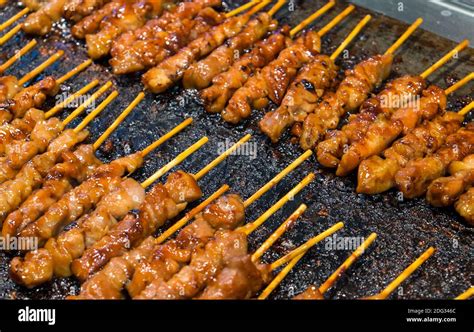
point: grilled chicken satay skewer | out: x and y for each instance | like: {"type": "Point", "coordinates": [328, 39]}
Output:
{"type": "Point", "coordinates": [60, 251]}
{"type": "Point", "coordinates": [18, 153]}
{"type": "Point", "coordinates": [30, 176]}
{"type": "Point", "coordinates": [123, 268]}
{"type": "Point", "coordinates": [228, 240]}
{"type": "Point", "coordinates": [162, 37]}
{"type": "Point", "coordinates": [19, 100]}
{"type": "Point", "coordinates": [54, 182]}
{"type": "Point", "coordinates": [10, 85]}
{"type": "Point", "coordinates": [18, 54]}
{"type": "Point", "coordinates": [20, 128]}
{"type": "Point", "coordinates": [171, 70]}
{"type": "Point", "coordinates": [415, 177]}
{"type": "Point", "coordinates": [386, 128]}
{"type": "Point", "coordinates": [13, 19]}
{"type": "Point", "coordinates": [128, 230]}
{"type": "Point", "coordinates": [270, 84]}
{"type": "Point", "coordinates": [399, 90]}
{"type": "Point", "coordinates": [224, 85]}
{"type": "Point", "coordinates": [403, 276]}
{"type": "Point", "coordinates": [314, 292]}
{"type": "Point", "coordinates": [243, 278]}
{"type": "Point", "coordinates": [78, 166]}
{"type": "Point", "coordinates": [376, 175]}
{"type": "Point", "coordinates": [200, 74]}
{"type": "Point", "coordinates": [320, 109]}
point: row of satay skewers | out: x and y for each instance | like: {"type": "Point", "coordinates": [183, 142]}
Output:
{"type": "Point", "coordinates": [241, 64]}
{"type": "Point", "coordinates": [54, 187]}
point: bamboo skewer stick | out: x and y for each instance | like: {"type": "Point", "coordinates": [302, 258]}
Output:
{"type": "Point", "coordinates": [467, 108]}
{"type": "Point", "coordinates": [466, 295]}
{"type": "Point", "coordinates": [119, 120]}
{"type": "Point", "coordinates": [258, 7]}
{"type": "Point", "coordinates": [279, 232]}
{"type": "Point", "coordinates": [35, 72]}
{"type": "Point", "coordinates": [84, 105]}
{"type": "Point", "coordinates": [18, 54]}
{"type": "Point", "coordinates": [6, 37]}
{"type": "Point", "coordinates": [270, 184]}
{"type": "Point", "coordinates": [336, 20]}
{"type": "Point", "coordinates": [459, 84]}
{"type": "Point", "coordinates": [306, 246]}
{"type": "Point", "coordinates": [276, 7]}
{"type": "Point", "coordinates": [331, 280]}
{"type": "Point", "coordinates": [403, 276]}
{"type": "Point", "coordinates": [350, 37]}
{"type": "Point", "coordinates": [314, 16]}
{"type": "Point", "coordinates": [92, 115]}
{"type": "Point", "coordinates": [395, 46]}
{"type": "Point", "coordinates": [74, 71]}
{"type": "Point", "coordinates": [13, 19]}
{"type": "Point", "coordinates": [54, 110]}
{"type": "Point", "coordinates": [250, 227]}
{"type": "Point", "coordinates": [438, 64]}
{"type": "Point", "coordinates": [242, 8]}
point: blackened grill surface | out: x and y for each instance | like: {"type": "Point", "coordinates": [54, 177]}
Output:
{"type": "Point", "coordinates": [405, 229]}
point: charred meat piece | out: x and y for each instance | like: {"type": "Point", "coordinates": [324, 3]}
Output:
{"type": "Point", "coordinates": [75, 167]}
{"type": "Point", "coordinates": [311, 293]}
{"type": "Point", "coordinates": [301, 98]}
{"type": "Point", "coordinates": [446, 190]}
{"type": "Point", "coordinates": [9, 87]}
{"type": "Point", "coordinates": [377, 174]}
{"type": "Point", "coordinates": [413, 180]}
{"type": "Point", "coordinates": [75, 10]}
{"type": "Point", "coordinates": [162, 203]}
{"type": "Point", "coordinates": [82, 198]}
{"type": "Point", "coordinates": [465, 206]}
{"type": "Point", "coordinates": [62, 250]}
{"type": "Point", "coordinates": [171, 70]}
{"type": "Point", "coordinates": [386, 102]}
{"type": "Point", "coordinates": [200, 74]}
{"type": "Point", "coordinates": [19, 128]}
{"type": "Point", "coordinates": [385, 130]}
{"type": "Point", "coordinates": [224, 85]}
{"type": "Point", "coordinates": [350, 94]}
{"type": "Point", "coordinates": [162, 37]}
{"type": "Point", "coordinates": [271, 83]}
{"type": "Point", "coordinates": [31, 175]}
{"type": "Point", "coordinates": [41, 21]}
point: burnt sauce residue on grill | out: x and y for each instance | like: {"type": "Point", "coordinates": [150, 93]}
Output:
{"type": "Point", "coordinates": [405, 229]}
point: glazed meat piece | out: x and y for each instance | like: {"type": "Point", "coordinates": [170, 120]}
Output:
{"type": "Point", "coordinates": [205, 263]}
{"type": "Point", "coordinates": [312, 293]}
{"type": "Point", "coordinates": [413, 180]}
{"type": "Point", "coordinates": [18, 153]}
{"type": "Point", "coordinates": [19, 128]}
{"type": "Point", "coordinates": [350, 94]}
{"type": "Point", "coordinates": [446, 190]}
{"type": "Point", "coordinates": [72, 243]}
{"type": "Point", "coordinates": [31, 175]}
{"type": "Point", "coordinates": [40, 22]}
{"type": "Point", "coordinates": [164, 36]}
{"type": "Point", "coordinates": [226, 213]}
{"type": "Point", "coordinates": [91, 23]}
{"type": "Point", "coordinates": [75, 10]}
{"type": "Point", "coordinates": [171, 70]}
{"type": "Point", "coordinates": [82, 198]}
{"type": "Point", "coordinates": [130, 16]}
{"type": "Point", "coordinates": [302, 96]}
{"type": "Point", "coordinates": [162, 203]}
{"type": "Point", "coordinates": [27, 98]}
{"type": "Point", "coordinates": [465, 206]}
{"type": "Point", "coordinates": [377, 174]}
{"type": "Point", "coordinates": [75, 167]}
{"type": "Point", "coordinates": [271, 82]}
{"type": "Point", "coordinates": [386, 102]}
{"type": "Point", "coordinates": [8, 88]}
{"type": "Point", "coordinates": [169, 257]}
{"type": "Point", "coordinates": [224, 85]}
{"type": "Point", "coordinates": [240, 279]}
{"type": "Point", "coordinates": [384, 131]}
{"type": "Point", "coordinates": [200, 74]}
